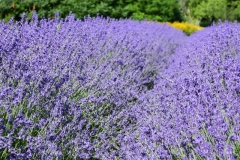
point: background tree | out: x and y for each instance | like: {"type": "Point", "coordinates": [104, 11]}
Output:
{"type": "Point", "coordinates": [10, 8]}
{"type": "Point", "coordinates": [205, 12]}
{"type": "Point", "coordinates": [208, 11]}
{"type": "Point", "coordinates": [198, 12]}
{"type": "Point", "coordinates": [159, 10]}
{"type": "Point", "coordinates": [233, 10]}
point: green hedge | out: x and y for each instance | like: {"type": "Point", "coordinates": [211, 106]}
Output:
{"type": "Point", "coordinates": [159, 10]}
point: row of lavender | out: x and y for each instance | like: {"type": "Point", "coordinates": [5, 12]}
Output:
{"type": "Point", "coordinates": [117, 90]}
{"type": "Point", "coordinates": [67, 85]}
{"type": "Point", "coordinates": [193, 112]}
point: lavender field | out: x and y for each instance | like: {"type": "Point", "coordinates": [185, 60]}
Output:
{"type": "Point", "coordinates": [118, 89]}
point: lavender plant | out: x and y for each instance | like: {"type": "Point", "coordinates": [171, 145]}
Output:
{"type": "Point", "coordinates": [118, 89]}
{"type": "Point", "coordinates": [193, 110]}
{"type": "Point", "coordinates": [67, 87]}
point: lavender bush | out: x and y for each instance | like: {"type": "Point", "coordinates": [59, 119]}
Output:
{"type": "Point", "coordinates": [117, 89]}
{"type": "Point", "coordinates": [193, 111]}
{"type": "Point", "coordinates": [67, 85]}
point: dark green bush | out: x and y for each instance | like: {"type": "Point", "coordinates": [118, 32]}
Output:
{"type": "Point", "coordinates": [159, 10]}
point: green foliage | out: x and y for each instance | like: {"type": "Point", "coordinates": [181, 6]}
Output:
{"type": "Point", "coordinates": [209, 11]}
{"type": "Point", "coordinates": [9, 8]}
{"type": "Point", "coordinates": [236, 150]}
{"type": "Point", "coordinates": [198, 12]}
{"type": "Point", "coordinates": [4, 153]}
{"type": "Point", "coordinates": [159, 10]}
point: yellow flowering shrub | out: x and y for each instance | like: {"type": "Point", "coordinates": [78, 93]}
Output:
{"type": "Point", "coordinates": [186, 27]}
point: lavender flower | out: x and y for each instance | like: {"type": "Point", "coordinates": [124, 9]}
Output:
{"type": "Point", "coordinates": [106, 89]}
